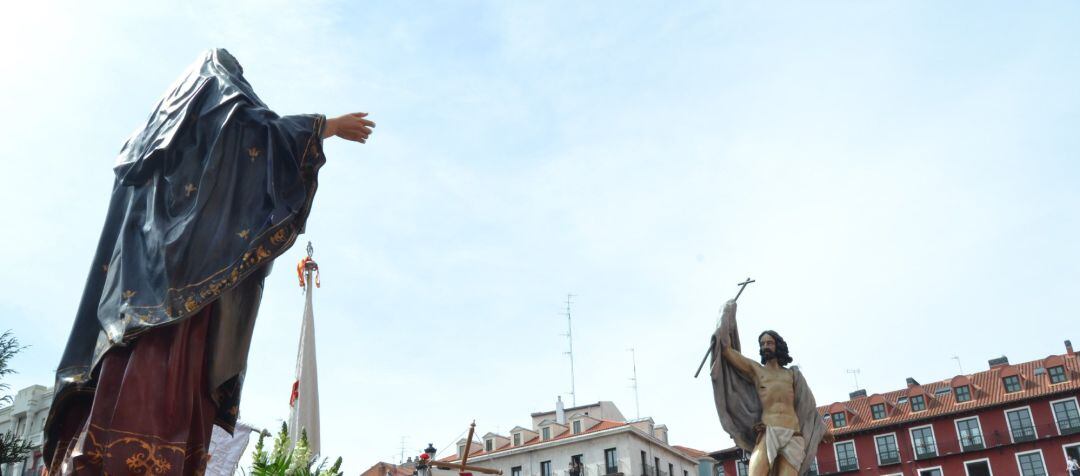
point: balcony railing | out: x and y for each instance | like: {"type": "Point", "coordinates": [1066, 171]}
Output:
{"type": "Point", "coordinates": [972, 443]}
{"type": "Point", "coordinates": [1069, 426]}
{"type": "Point", "coordinates": [849, 464]}
{"type": "Point", "coordinates": [891, 457]}
{"type": "Point", "coordinates": [926, 450]}
{"type": "Point", "coordinates": [1026, 433]}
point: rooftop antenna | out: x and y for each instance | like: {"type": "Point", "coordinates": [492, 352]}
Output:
{"type": "Point", "coordinates": [570, 338]}
{"type": "Point", "coordinates": [637, 403]}
{"type": "Point", "coordinates": [401, 458]}
{"type": "Point", "coordinates": [957, 359]}
{"type": "Point", "coordinates": [855, 373]}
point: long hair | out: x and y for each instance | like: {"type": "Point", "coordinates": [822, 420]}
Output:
{"type": "Point", "coordinates": [782, 356]}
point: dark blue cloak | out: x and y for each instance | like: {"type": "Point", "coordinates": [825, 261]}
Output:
{"type": "Point", "coordinates": [212, 188]}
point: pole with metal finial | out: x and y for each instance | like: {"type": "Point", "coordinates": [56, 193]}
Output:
{"type": "Point", "coordinates": [742, 287]}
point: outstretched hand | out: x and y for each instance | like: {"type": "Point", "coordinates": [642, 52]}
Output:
{"type": "Point", "coordinates": [355, 127]}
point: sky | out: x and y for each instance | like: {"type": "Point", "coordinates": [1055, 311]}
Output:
{"type": "Point", "coordinates": [899, 178]}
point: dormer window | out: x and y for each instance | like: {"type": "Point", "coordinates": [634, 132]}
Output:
{"type": "Point", "coordinates": [517, 439]}
{"type": "Point", "coordinates": [918, 403]}
{"type": "Point", "coordinates": [877, 411]}
{"type": "Point", "coordinates": [1057, 374]}
{"type": "Point", "coordinates": [1012, 383]}
{"type": "Point", "coordinates": [545, 433]}
{"type": "Point", "coordinates": [839, 420]}
{"type": "Point", "coordinates": [461, 450]}
{"type": "Point", "coordinates": [963, 394]}
{"type": "Point", "coordinates": [489, 445]}
{"type": "Point", "coordinates": [577, 426]}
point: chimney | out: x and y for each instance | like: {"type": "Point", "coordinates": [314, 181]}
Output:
{"type": "Point", "coordinates": [1068, 347]}
{"type": "Point", "coordinates": [912, 382]}
{"type": "Point", "coordinates": [860, 393]}
{"type": "Point", "coordinates": [560, 413]}
{"type": "Point", "coordinates": [999, 362]}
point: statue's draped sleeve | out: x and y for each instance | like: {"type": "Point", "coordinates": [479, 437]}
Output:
{"type": "Point", "coordinates": [737, 401]}
{"type": "Point", "coordinates": [810, 423]}
{"type": "Point", "coordinates": [208, 192]}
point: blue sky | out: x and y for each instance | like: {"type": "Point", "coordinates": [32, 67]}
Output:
{"type": "Point", "coordinates": [900, 177]}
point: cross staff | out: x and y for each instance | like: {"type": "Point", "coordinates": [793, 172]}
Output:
{"type": "Point", "coordinates": [742, 287]}
{"type": "Point", "coordinates": [463, 466]}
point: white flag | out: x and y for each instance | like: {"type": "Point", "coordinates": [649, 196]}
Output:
{"type": "Point", "coordinates": [304, 401]}
{"type": "Point", "coordinates": [225, 449]}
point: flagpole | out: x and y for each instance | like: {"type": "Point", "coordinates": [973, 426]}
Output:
{"type": "Point", "coordinates": [304, 402]}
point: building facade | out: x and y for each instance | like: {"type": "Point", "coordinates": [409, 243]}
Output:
{"type": "Point", "coordinates": [1009, 420]}
{"type": "Point", "coordinates": [25, 417]}
{"type": "Point", "coordinates": [595, 435]}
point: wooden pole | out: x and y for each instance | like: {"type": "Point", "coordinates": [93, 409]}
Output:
{"type": "Point", "coordinates": [468, 443]}
{"type": "Point", "coordinates": [462, 467]}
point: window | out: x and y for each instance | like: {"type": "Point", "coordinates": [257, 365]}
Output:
{"type": "Point", "coordinates": [942, 391]}
{"type": "Point", "coordinates": [515, 471]}
{"type": "Point", "coordinates": [545, 468]}
{"type": "Point", "coordinates": [845, 456]}
{"type": "Point", "coordinates": [930, 472]}
{"type": "Point", "coordinates": [1020, 426]}
{"type": "Point", "coordinates": [720, 469]}
{"type": "Point", "coordinates": [644, 466]}
{"type": "Point", "coordinates": [611, 461]}
{"type": "Point", "coordinates": [813, 467]}
{"type": "Point", "coordinates": [740, 468]}
{"type": "Point", "coordinates": [887, 452]}
{"type": "Point", "coordinates": [461, 450]}
{"type": "Point", "coordinates": [1031, 464]}
{"type": "Point", "coordinates": [517, 439]}
{"type": "Point", "coordinates": [671, 469]}
{"type": "Point", "coordinates": [656, 466]}
{"type": "Point", "coordinates": [963, 394]}
{"type": "Point", "coordinates": [577, 426]}
{"type": "Point", "coordinates": [685, 473]}
{"type": "Point", "coordinates": [1057, 374]}
{"type": "Point", "coordinates": [489, 445]}
{"type": "Point", "coordinates": [546, 432]}
{"type": "Point", "coordinates": [918, 403]}
{"type": "Point", "coordinates": [839, 420]}
{"type": "Point", "coordinates": [923, 441]}
{"type": "Point", "coordinates": [877, 411]}
{"type": "Point", "coordinates": [1067, 417]}
{"type": "Point", "coordinates": [979, 467]}
{"type": "Point", "coordinates": [1012, 383]}
{"type": "Point", "coordinates": [970, 434]}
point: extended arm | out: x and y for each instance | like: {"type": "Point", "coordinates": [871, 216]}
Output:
{"type": "Point", "coordinates": [741, 364]}
{"type": "Point", "coordinates": [355, 127]}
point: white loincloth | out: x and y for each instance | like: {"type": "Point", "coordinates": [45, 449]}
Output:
{"type": "Point", "coordinates": [784, 441]}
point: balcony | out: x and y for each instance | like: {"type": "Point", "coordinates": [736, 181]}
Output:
{"type": "Point", "coordinates": [887, 459]}
{"type": "Point", "coordinates": [925, 451]}
{"type": "Point", "coordinates": [1022, 434]}
{"type": "Point", "coordinates": [972, 443]}
{"type": "Point", "coordinates": [848, 464]}
{"type": "Point", "coordinates": [600, 469]}
{"type": "Point", "coordinates": [1069, 426]}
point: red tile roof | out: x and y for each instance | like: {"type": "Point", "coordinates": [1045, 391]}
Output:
{"type": "Point", "coordinates": [690, 451]}
{"type": "Point", "coordinates": [987, 390]}
{"type": "Point", "coordinates": [381, 469]}
{"type": "Point", "coordinates": [603, 425]}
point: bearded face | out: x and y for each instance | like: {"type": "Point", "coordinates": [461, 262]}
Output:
{"type": "Point", "coordinates": [772, 346]}
{"type": "Point", "coordinates": [766, 355]}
